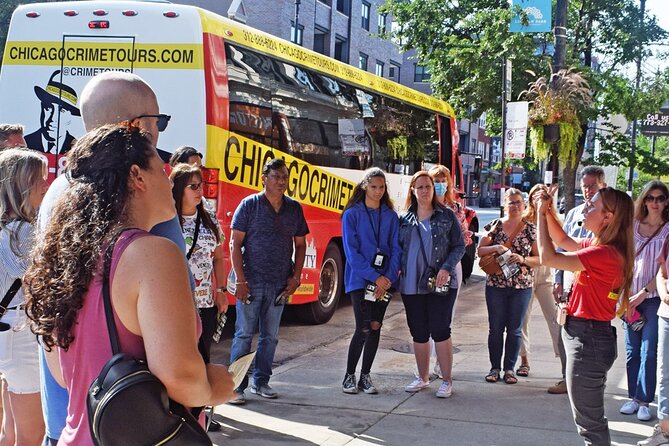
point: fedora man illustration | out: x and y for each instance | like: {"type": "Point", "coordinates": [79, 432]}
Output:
{"type": "Point", "coordinates": [59, 103]}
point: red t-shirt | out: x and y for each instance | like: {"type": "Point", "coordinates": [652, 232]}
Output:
{"type": "Point", "coordinates": [591, 296]}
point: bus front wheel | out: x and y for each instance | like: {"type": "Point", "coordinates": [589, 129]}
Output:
{"type": "Point", "coordinates": [330, 287]}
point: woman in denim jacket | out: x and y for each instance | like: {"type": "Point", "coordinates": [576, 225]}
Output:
{"type": "Point", "coordinates": [432, 245]}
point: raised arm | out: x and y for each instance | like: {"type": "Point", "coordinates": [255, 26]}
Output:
{"type": "Point", "coordinates": [548, 256]}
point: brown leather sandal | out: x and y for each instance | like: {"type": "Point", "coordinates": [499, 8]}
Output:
{"type": "Point", "coordinates": [523, 370]}
{"type": "Point", "coordinates": [493, 376]}
{"type": "Point", "coordinates": [509, 377]}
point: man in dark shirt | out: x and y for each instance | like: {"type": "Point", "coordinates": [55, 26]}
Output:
{"type": "Point", "coordinates": [266, 228]}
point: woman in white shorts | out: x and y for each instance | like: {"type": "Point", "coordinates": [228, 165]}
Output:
{"type": "Point", "coordinates": [22, 187]}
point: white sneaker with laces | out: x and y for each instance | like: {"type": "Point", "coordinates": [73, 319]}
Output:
{"type": "Point", "coordinates": [644, 413]}
{"type": "Point", "coordinates": [445, 389]}
{"type": "Point", "coordinates": [416, 385]}
{"type": "Point", "coordinates": [629, 407]}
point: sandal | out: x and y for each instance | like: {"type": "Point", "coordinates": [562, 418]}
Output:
{"type": "Point", "coordinates": [523, 370]}
{"type": "Point", "coordinates": [509, 377]}
{"type": "Point", "coordinates": [493, 376]}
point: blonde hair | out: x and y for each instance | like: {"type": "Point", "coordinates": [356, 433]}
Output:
{"type": "Point", "coordinates": [20, 170]}
{"type": "Point", "coordinates": [438, 171]}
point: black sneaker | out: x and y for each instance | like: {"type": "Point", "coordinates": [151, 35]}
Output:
{"type": "Point", "coordinates": [365, 384]}
{"type": "Point", "coordinates": [349, 384]}
{"type": "Point", "coordinates": [214, 426]}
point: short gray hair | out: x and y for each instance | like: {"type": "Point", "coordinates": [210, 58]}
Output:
{"type": "Point", "coordinates": [594, 171]}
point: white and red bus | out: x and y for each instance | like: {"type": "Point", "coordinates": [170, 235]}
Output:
{"type": "Point", "coordinates": [239, 95]}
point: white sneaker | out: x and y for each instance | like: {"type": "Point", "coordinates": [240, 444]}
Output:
{"type": "Point", "coordinates": [416, 385]}
{"type": "Point", "coordinates": [658, 438]}
{"type": "Point", "coordinates": [445, 389]}
{"type": "Point", "coordinates": [629, 407]}
{"type": "Point", "coordinates": [644, 413]}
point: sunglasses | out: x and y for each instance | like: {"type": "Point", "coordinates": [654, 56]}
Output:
{"type": "Point", "coordinates": [163, 120]}
{"type": "Point", "coordinates": [194, 186]}
{"type": "Point", "coordinates": [655, 198]}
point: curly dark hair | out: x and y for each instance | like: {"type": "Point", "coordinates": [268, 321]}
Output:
{"type": "Point", "coordinates": [87, 219]}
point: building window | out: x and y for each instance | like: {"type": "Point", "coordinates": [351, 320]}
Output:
{"type": "Point", "coordinates": [341, 49]}
{"type": "Point", "coordinates": [322, 41]}
{"type": "Point", "coordinates": [365, 15]}
{"type": "Point", "coordinates": [362, 61]}
{"type": "Point", "coordinates": [379, 68]}
{"type": "Point", "coordinates": [300, 33]}
{"type": "Point", "coordinates": [344, 6]}
{"type": "Point", "coordinates": [381, 23]}
{"type": "Point", "coordinates": [394, 71]}
{"type": "Point", "coordinates": [421, 73]}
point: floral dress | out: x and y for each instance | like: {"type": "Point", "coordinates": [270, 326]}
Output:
{"type": "Point", "coordinates": [522, 245]}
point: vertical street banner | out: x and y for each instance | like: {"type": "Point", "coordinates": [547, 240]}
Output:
{"type": "Point", "coordinates": [516, 129]}
{"type": "Point", "coordinates": [538, 16]}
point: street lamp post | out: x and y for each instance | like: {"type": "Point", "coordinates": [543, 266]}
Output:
{"type": "Point", "coordinates": [297, 15]}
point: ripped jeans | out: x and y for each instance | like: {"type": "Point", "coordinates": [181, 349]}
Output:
{"type": "Point", "coordinates": [367, 315]}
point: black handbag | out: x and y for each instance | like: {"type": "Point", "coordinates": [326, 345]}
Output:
{"type": "Point", "coordinates": [127, 405]}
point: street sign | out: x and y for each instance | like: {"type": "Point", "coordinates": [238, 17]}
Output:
{"type": "Point", "coordinates": [508, 78]}
{"type": "Point", "coordinates": [655, 124]}
{"type": "Point", "coordinates": [516, 129]}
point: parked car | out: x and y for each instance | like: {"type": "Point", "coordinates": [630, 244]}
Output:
{"type": "Point", "coordinates": [562, 205]}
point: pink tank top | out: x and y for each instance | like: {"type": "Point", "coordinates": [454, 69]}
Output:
{"type": "Point", "coordinates": [91, 349]}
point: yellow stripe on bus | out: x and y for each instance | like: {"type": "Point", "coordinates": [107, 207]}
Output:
{"type": "Point", "coordinates": [268, 44]}
{"type": "Point", "coordinates": [104, 54]}
{"type": "Point", "coordinates": [240, 161]}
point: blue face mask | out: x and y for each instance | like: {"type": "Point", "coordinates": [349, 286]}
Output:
{"type": "Point", "coordinates": [440, 189]}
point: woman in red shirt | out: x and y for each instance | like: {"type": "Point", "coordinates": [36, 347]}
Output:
{"type": "Point", "coordinates": [603, 267]}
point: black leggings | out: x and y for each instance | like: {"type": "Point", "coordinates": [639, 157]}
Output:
{"type": "Point", "coordinates": [208, 318]}
{"type": "Point", "coordinates": [364, 336]}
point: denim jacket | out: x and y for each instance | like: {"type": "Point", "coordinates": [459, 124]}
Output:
{"type": "Point", "coordinates": [448, 244]}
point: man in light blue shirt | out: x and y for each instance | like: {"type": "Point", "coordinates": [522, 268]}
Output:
{"type": "Point", "coordinates": [592, 179]}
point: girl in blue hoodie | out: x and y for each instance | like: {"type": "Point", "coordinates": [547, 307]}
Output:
{"type": "Point", "coordinates": [370, 232]}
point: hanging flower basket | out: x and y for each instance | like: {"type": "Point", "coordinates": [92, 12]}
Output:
{"type": "Point", "coordinates": [551, 133]}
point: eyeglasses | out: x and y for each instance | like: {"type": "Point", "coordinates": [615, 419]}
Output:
{"type": "Point", "coordinates": [655, 198]}
{"type": "Point", "coordinates": [515, 203]}
{"type": "Point", "coordinates": [194, 186]}
{"type": "Point", "coordinates": [163, 120]}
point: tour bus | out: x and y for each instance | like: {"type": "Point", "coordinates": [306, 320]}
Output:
{"type": "Point", "coordinates": [239, 95]}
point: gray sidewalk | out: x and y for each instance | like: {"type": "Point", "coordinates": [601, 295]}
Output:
{"type": "Point", "coordinates": [312, 409]}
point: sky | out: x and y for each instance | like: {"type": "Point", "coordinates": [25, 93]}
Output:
{"type": "Point", "coordinates": [659, 8]}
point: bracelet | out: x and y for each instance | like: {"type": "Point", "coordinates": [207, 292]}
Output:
{"type": "Point", "coordinates": [221, 289]}
{"type": "Point", "coordinates": [241, 283]}
{"type": "Point", "coordinates": [523, 260]}
{"type": "Point", "coordinates": [646, 290]}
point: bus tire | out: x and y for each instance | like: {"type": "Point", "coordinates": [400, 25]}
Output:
{"type": "Point", "coordinates": [330, 288]}
{"type": "Point", "coordinates": [470, 251]}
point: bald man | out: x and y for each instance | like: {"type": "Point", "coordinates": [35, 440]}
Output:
{"type": "Point", "coordinates": [108, 98]}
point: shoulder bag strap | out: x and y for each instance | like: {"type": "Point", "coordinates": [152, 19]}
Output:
{"type": "Point", "coordinates": [649, 239]}
{"type": "Point", "coordinates": [9, 295]}
{"type": "Point", "coordinates": [422, 247]}
{"type": "Point", "coordinates": [109, 313]}
{"type": "Point", "coordinates": [198, 220]}
{"type": "Point", "coordinates": [513, 235]}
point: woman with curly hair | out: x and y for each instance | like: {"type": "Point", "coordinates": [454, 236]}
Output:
{"type": "Point", "coordinates": [99, 231]}
{"type": "Point", "coordinates": [22, 188]}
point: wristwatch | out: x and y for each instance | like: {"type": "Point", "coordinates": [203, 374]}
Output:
{"type": "Point", "coordinates": [221, 289]}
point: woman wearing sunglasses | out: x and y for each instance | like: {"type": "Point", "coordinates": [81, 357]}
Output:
{"type": "Point", "coordinates": [204, 249]}
{"type": "Point", "coordinates": [650, 231]}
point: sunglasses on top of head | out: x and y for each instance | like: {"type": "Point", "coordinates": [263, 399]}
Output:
{"type": "Point", "coordinates": [163, 120]}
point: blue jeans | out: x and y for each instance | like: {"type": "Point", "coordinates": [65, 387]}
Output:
{"type": "Point", "coordinates": [261, 315]}
{"type": "Point", "coordinates": [506, 310]}
{"type": "Point", "coordinates": [591, 350]}
{"type": "Point", "coordinates": [663, 369]}
{"type": "Point", "coordinates": [641, 347]}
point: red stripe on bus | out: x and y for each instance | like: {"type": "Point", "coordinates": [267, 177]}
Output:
{"type": "Point", "coordinates": [216, 81]}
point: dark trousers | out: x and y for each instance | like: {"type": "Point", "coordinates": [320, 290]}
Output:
{"type": "Point", "coordinates": [430, 315]}
{"type": "Point", "coordinates": [506, 309]}
{"type": "Point", "coordinates": [591, 350]}
{"type": "Point", "coordinates": [208, 318]}
{"type": "Point", "coordinates": [364, 336]}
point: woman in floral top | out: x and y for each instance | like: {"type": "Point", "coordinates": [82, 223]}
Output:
{"type": "Point", "coordinates": [206, 257]}
{"type": "Point", "coordinates": [508, 293]}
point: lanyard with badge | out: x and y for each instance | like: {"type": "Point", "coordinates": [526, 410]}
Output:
{"type": "Point", "coordinates": [380, 260]}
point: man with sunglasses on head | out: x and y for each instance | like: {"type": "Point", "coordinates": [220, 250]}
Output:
{"type": "Point", "coordinates": [109, 98]}
{"type": "Point", "coordinates": [592, 180]}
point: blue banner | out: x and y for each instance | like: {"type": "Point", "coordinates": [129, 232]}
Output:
{"type": "Point", "coordinates": [538, 16]}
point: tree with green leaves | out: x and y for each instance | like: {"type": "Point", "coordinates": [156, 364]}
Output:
{"type": "Point", "coordinates": [463, 42]}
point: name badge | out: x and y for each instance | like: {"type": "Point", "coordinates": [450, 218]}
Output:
{"type": "Point", "coordinates": [380, 260]}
